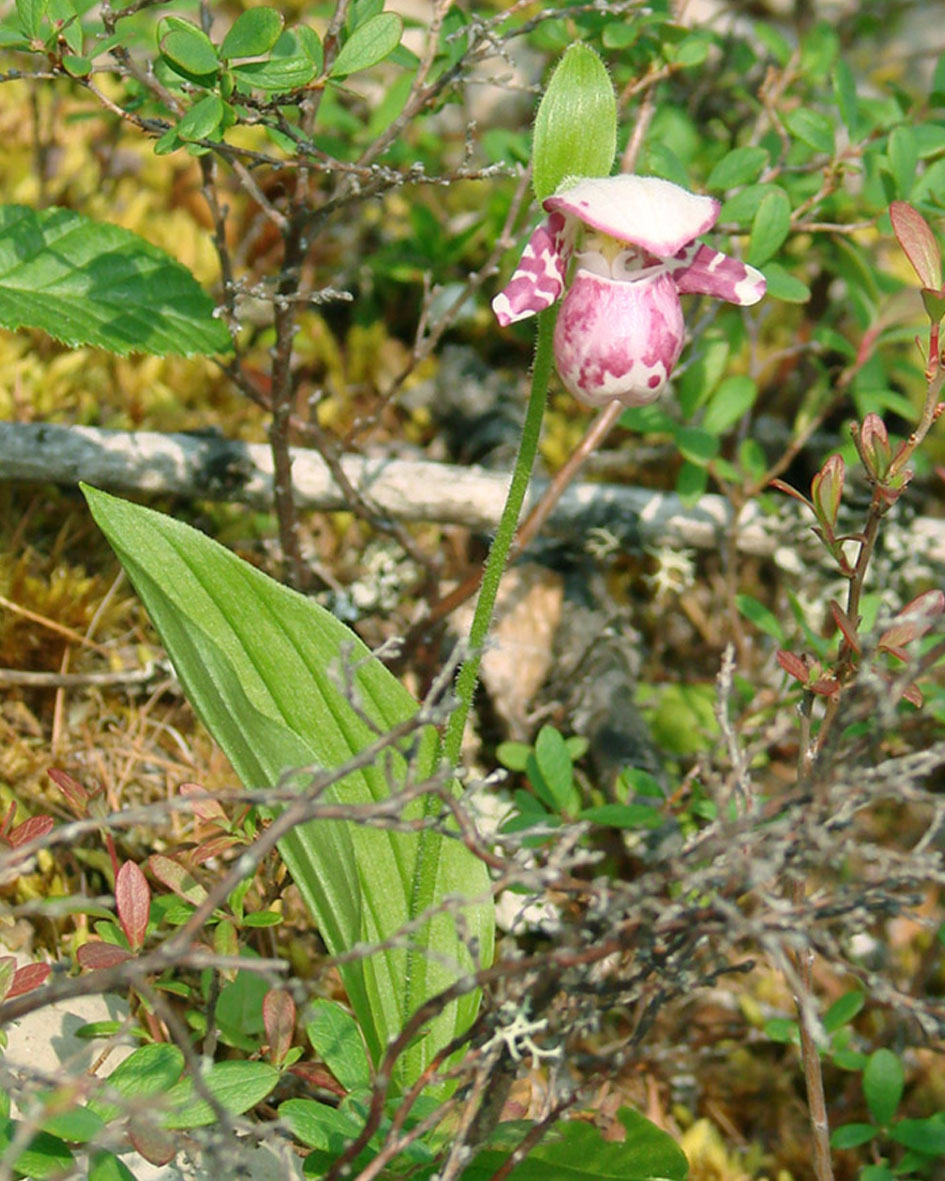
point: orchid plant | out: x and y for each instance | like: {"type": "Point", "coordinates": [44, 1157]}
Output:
{"type": "Point", "coordinates": [630, 242]}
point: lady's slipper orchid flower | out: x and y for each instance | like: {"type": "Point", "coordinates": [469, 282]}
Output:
{"type": "Point", "coordinates": [620, 328]}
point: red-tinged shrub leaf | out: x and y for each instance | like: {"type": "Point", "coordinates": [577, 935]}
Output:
{"type": "Point", "coordinates": [913, 621]}
{"type": "Point", "coordinates": [845, 624]}
{"type": "Point", "coordinates": [76, 795]}
{"type": "Point", "coordinates": [27, 978]}
{"type": "Point", "coordinates": [177, 878]}
{"type": "Point", "coordinates": [794, 666]}
{"type": "Point", "coordinates": [155, 1144]}
{"type": "Point", "coordinates": [918, 243]}
{"type": "Point", "coordinates": [826, 489]}
{"type": "Point", "coordinates": [98, 954]}
{"type": "Point", "coordinates": [782, 487]}
{"type": "Point", "coordinates": [318, 1077]}
{"type": "Point", "coordinates": [913, 694]}
{"type": "Point", "coordinates": [133, 899]}
{"type": "Point", "coordinates": [214, 847]}
{"type": "Point", "coordinates": [31, 830]}
{"type": "Point", "coordinates": [279, 1019]}
{"type": "Point", "coordinates": [205, 806]}
{"type": "Point", "coordinates": [825, 687]}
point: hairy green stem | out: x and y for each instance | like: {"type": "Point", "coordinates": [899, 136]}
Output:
{"type": "Point", "coordinates": [505, 533]}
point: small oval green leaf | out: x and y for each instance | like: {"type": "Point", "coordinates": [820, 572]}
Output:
{"type": "Point", "coordinates": [554, 762]}
{"type": "Point", "coordinates": [202, 120]}
{"type": "Point", "coordinates": [882, 1085]}
{"type": "Point", "coordinates": [741, 166]}
{"type": "Point", "coordinates": [253, 33]}
{"type": "Point", "coordinates": [770, 227]}
{"type": "Point", "coordinates": [733, 398]}
{"type": "Point", "coordinates": [187, 46]}
{"type": "Point", "coordinates": [813, 128]}
{"type": "Point", "coordinates": [279, 75]}
{"type": "Point", "coordinates": [335, 1036]}
{"type": "Point", "coordinates": [369, 44]}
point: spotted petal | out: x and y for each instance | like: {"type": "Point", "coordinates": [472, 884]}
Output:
{"type": "Point", "coordinates": [616, 340]}
{"type": "Point", "coordinates": [644, 210]}
{"type": "Point", "coordinates": [539, 276]}
{"type": "Point", "coordinates": [700, 270]}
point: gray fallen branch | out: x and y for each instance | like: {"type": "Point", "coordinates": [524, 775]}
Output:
{"type": "Point", "coordinates": [211, 467]}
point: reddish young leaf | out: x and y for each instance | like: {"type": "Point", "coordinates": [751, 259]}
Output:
{"type": "Point", "coordinates": [913, 694]}
{"type": "Point", "coordinates": [176, 877]}
{"type": "Point", "coordinates": [27, 978]}
{"type": "Point", "coordinates": [782, 487]}
{"type": "Point", "coordinates": [825, 687]}
{"type": "Point", "coordinates": [133, 899]}
{"type": "Point", "coordinates": [31, 830]}
{"type": "Point", "coordinates": [205, 807]}
{"type": "Point", "coordinates": [912, 622]}
{"type": "Point", "coordinates": [98, 954]}
{"type": "Point", "coordinates": [826, 490]}
{"type": "Point", "coordinates": [794, 666]}
{"type": "Point", "coordinates": [918, 243]}
{"type": "Point", "coordinates": [874, 446]}
{"type": "Point", "coordinates": [318, 1077]}
{"type": "Point", "coordinates": [76, 795]}
{"type": "Point", "coordinates": [214, 847]}
{"type": "Point", "coordinates": [846, 625]}
{"type": "Point", "coordinates": [154, 1143]}
{"type": "Point", "coordinates": [279, 1019]}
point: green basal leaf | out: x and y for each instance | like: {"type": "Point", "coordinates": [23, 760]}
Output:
{"type": "Point", "coordinates": [237, 1085]}
{"type": "Point", "coordinates": [369, 44]}
{"type": "Point", "coordinates": [260, 664]}
{"type": "Point", "coordinates": [335, 1036]}
{"type": "Point", "coordinates": [90, 283]}
{"type": "Point", "coordinates": [253, 33]}
{"type": "Point", "coordinates": [576, 125]}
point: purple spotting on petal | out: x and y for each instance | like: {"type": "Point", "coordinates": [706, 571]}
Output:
{"type": "Point", "coordinates": [700, 270]}
{"type": "Point", "coordinates": [618, 341]}
{"type": "Point", "coordinates": [539, 277]}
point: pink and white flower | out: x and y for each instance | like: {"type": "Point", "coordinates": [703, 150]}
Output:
{"type": "Point", "coordinates": [620, 328]}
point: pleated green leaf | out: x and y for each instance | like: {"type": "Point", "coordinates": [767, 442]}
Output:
{"type": "Point", "coordinates": [260, 664]}
{"type": "Point", "coordinates": [87, 282]}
